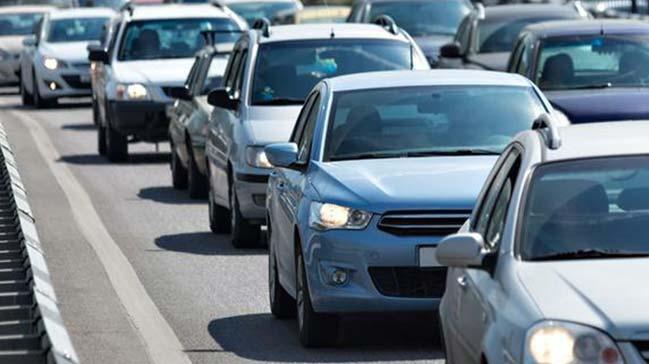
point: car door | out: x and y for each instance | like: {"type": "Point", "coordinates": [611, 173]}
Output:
{"type": "Point", "coordinates": [105, 73]}
{"type": "Point", "coordinates": [184, 110]}
{"type": "Point", "coordinates": [476, 286]}
{"type": "Point", "coordinates": [28, 55]}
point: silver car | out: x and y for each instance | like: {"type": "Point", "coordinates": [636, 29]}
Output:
{"type": "Point", "coordinates": [270, 73]}
{"type": "Point", "coordinates": [552, 265]}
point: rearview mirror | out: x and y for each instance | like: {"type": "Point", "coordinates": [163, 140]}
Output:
{"type": "Point", "coordinates": [29, 41]}
{"type": "Point", "coordinates": [97, 53]}
{"type": "Point", "coordinates": [451, 50]}
{"type": "Point", "coordinates": [181, 93]}
{"type": "Point", "coordinates": [282, 154]}
{"type": "Point", "coordinates": [462, 250]}
{"type": "Point", "coordinates": [220, 97]}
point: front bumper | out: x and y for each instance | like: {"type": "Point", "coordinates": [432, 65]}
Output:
{"type": "Point", "coordinates": [147, 120]}
{"type": "Point", "coordinates": [251, 193]}
{"type": "Point", "coordinates": [382, 269]}
{"type": "Point", "coordinates": [64, 82]}
{"type": "Point", "coordinates": [9, 70]}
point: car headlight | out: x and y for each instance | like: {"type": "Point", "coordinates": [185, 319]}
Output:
{"type": "Point", "coordinates": [256, 157]}
{"type": "Point", "coordinates": [557, 342]}
{"type": "Point", "coordinates": [133, 91]}
{"type": "Point", "coordinates": [51, 63]}
{"type": "Point", "coordinates": [326, 216]}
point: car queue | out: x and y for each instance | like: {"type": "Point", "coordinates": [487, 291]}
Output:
{"type": "Point", "coordinates": [383, 185]}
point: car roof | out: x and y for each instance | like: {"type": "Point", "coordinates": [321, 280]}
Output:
{"type": "Point", "coordinates": [524, 11]}
{"type": "Point", "coordinates": [81, 13]}
{"type": "Point", "coordinates": [325, 31]}
{"type": "Point", "coordinates": [439, 77]}
{"type": "Point", "coordinates": [25, 9]}
{"type": "Point", "coordinates": [583, 27]}
{"type": "Point", "coordinates": [177, 11]}
{"type": "Point", "coordinates": [405, 1]}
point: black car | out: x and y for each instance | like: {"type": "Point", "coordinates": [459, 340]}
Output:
{"type": "Point", "coordinates": [431, 23]}
{"type": "Point", "coordinates": [589, 70]}
{"type": "Point", "coordinates": [486, 36]}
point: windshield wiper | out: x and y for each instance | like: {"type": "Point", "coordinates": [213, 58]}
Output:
{"type": "Point", "coordinates": [455, 152]}
{"type": "Point", "coordinates": [280, 101]}
{"type": "Point", "coordinates": [593, 86]}
{"type": "Point", "coordinates": [367, 156]}
{"type": "Point", "coordinates": [590, 254]}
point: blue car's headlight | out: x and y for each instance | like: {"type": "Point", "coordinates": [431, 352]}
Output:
{"type": "Point", "coordinates": [326, 216]}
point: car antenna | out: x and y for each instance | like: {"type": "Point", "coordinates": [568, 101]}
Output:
{"type": "Point", "coordinates": [601, 28]}
{"type": "Point", "coordinates": [332, 35]}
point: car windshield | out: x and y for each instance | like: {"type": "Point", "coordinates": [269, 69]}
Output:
{"type": "Point", "coordinates": [172, 38]}
{"type": "Point", "coordinates": [76, 30]}
{"type": "Point", "coordinates": [19, 23]}
{"type": "Point", "coordinates": [500, 36]}
{"type": "Point", "coordinates": [594, 208]}
{"type": "Point", "coordinates": [428, 121]}
{"type": "Point", "coordinates": [214, 74]}
{"type": "Point", "coordinates": [251, 11]}
{"type": "Point", "coordinates": [421, 18]}
{"type": "Point", "coordinates": [593, 62]}
{"type": "Point", "coordinates": [287, 71]}
{"type": "Point", "coordinates": [56, 3]}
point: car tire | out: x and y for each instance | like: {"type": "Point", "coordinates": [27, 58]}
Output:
{"type": "Point", "coordinates": [314, 329]}
{"type": "Point", "coordinates": [116, 145]}
{"type": "Point", "coordinates": [95, 113]}
{"type": "Point", "coordinates": [26, 97]}
{"type": "Point", "coordinates": [219, 216]}
{"type": "Point", "coordinates": [243, 233]}
{"type": "Point", "coordinates": [282, 305]}
{"type": "Point", "coordinates": [178, 172]}
{"type": "Point", "coordinates": [197, 183]}
{"type": "Point", "coordinates": [101, 139]}
{"type": "Point", "coordinates": [39, 102]}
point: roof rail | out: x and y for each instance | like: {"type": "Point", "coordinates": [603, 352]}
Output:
{"type": "Point", "coordinates": [387, 23]}
{"type": "Point", "coordinates": [546, 125]}
{"type": "Point", "coordinates": [263, 25]}
{"type": "Point", "coordinates": [128, 6]}
{"type": "Point", "coordinates": [217, 4]}
{"type": "Point", "coordinates": [480, 10]}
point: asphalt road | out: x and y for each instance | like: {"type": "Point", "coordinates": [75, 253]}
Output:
{"type": "Point", "coordinates": [213, 296]}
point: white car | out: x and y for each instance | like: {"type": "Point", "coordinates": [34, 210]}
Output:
{"type": "Point", "coordinates": [148, 58]}
{"type": "Point", "coordinates": [54, 62]}
{"type": "Point", "coordinates": [252, 10]}
{"type": "Point", "coordinates": [16, 22]}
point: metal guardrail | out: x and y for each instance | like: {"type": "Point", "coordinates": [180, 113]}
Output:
{"type": "Point", "coordinates": [31, 327]}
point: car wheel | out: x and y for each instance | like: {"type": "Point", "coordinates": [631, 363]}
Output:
{"type": "Point", "coordinates": [116, 145]}
{"type": "Point", "coordinates": [26, 97]}
{"type": "Point", "coordinates": [101, 139]}
{"type": "Point", "coordinates": [95, 113]}
{"type": "Point", "coordinates": [314, 329]}
{"type": "Point", "coordinates": [197, 182]}
{"type": "Point", "coordinates": [178, 172]}
{"type": "Point", "coordinates": [219, 216]}
{"type": "Point", "coordinates": [36, 95]}
{"type": "Point", "coordinates": [282, 305]}
{"type": "Point", "coordinates": [244, 234]}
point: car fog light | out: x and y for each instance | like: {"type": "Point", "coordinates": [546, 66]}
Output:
{"type": "Point", "coordinates": [339, 277]}
{"type": "Point", "coordinates": [52, 86]}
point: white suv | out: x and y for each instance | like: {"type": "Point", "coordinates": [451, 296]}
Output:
{"type": "Point", "coordinates": [269, 75]}
{"type": "Point", "coordinates": [149, 56]}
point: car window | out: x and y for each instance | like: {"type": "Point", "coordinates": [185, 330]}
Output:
{"type": "Point", "coordinates": [464, 32]}
{"type": "Point", "coordinates": [301, 120]}
{"type": "Point", "coordinates": [499, 36]}
{"type": "Point", "coordinates": [241, 70]}
{"type": "Point", "coordinates": [113, 38]}
{"type": "Point", "coordinates": [522, 58]}
{"type": "Point", "coordinates": [76, 30]}
{"type": "Point", "coordinates": [496, 225]}
{"type": "Point", "coordinates": [354, 14]}
{"type": "Point", "coordinates": [253, 10]}
{"type": "Point", "coordinates": [213, 76]}
{"type": "Point", "coordinates": [231, 71]}
{"type": "Point", "coordinates": [19, 23]}
{"type": "Point", "coordinates": [423, 18]}
{"type": "Point", "coordinates": [306, 139]}
{"type": "Point", "coordinates": [189, 83]}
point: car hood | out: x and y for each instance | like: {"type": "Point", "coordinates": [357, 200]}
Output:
{"type": "Point", "coordinates": [271, 124]}
{"type": "Point", "coordinates": [158, 71]}
{"type": "Point", "coordinates": [66, 51]}
{"type": "Point", "coordinates": [496, 61]}
{"type": "Point", "coordinates": [12, 44]}
{"type": "Point", "coordinates": [608, 294]}
{"type": "Point", "coordinates": [380, 185]}
{"type": "Point", "coordinates": [430, 44]}
{"type": "Point", "coordinates": [601, 105]}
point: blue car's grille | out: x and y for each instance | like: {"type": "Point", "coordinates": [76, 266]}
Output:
{"type": "Point", "coordinates": [439, 223]}
{"type": "Point", "coordinates": [411, 282]}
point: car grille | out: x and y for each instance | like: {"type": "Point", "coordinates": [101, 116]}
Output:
{"type": "Point", "coordinates": [74, 81]}
{"type": "Point", "coordinates": [424, 223]}
{"type": "Point", "coordinates": [409, 282]}
{"type": "Point", "coordinates": [643, 348]}
{"type": "Point", "coordinates": [168, 89]}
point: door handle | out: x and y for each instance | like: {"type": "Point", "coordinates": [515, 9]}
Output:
{"type": "Point", "coordinates": [462, 281]}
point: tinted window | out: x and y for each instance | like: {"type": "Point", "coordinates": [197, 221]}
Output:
{"type": "Point", "coordinates": [420, 18]}
{"type": "Point", "coordinates": [587, 205]}
{"type": "Point", "coordinates": [18, 24]}
{"type": "Point", "coordinates": [176, 38]}
{"type": "Point", "coordinates": [422, 121]}
{"type": "Point", "coordinates": [594, 61]}
{"type": "Point", "coordinates": [500, 36]}
{"type": "Point", "coordinates": [76, 30]}
{"type": "Point", "coordinates": [286, 72]}
{"type": "Point", "coordinates": [214, 75]}
{"type": "Point", "coordinates": [261, 9]}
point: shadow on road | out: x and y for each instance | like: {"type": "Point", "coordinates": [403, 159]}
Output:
{"type": "Point", "coordinates": [366, 338]}
{"type": "Point", "coordinates": [79, 127]}
{"type": "Point", "coordinates": [202, 243]}
{"type": "Point", "coordinates": [169, 195]}
{"type": "Point", "coordinates": [133, 158]}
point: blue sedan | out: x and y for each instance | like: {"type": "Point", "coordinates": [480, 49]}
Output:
{"type": "Point", "coordinates": [379, 168]}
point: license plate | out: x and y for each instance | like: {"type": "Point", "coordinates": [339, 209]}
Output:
{"type": "Point", "coordinates": [85, 78]}
{"type": "Point", "coordinates": [427, 257]}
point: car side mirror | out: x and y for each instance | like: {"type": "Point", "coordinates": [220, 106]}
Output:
{"type": "Point", "coordinates": [220, 97]}
{"type": "Point", "coordinates": [462, 250]}
{"type": "Point", "coordinates": [29, 41]}
{"type": "Point", "coordinates": [282, 154]}
{"type": "Point", "coordinates": [181, 93]}
{"type": "Point", "coordinates": [97, 53]}
{"type": "Point", "coordinates": [451, 50]}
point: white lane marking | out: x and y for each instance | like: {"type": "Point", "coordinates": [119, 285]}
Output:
{"type": "Point", "coordinates": [161, 342]}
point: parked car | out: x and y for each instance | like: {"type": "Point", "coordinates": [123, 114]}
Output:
{"type": "Point", "coordinates": [16, 22]}
{"type": "Point", "coordinates": [486, 37]}
{"type": "Point", "coordinates": [313, 14]}
{"type": "Point", "coordinates": [268, 77]}
{"type": "Point", "coordinates": [189, 117]}
{"type": "Point", "coordinates": [379, 168]}
{"type": "Point", "coordinates": [590, 71]}
{"type": "Point", "coordinates": [54, 62]}
{"type": "Point", "coordinates": [549, 266]}
{"type": "Point", "coordinates": [431, 23]}
{"type": "Point", "coordinates": [252, 10]}
{"type": "Point", "coordinates": [150, 56]}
